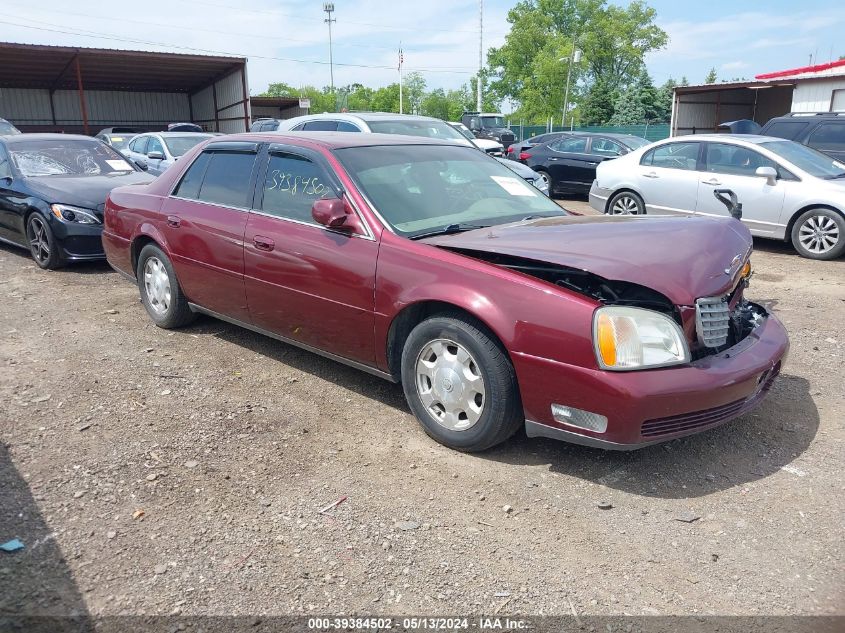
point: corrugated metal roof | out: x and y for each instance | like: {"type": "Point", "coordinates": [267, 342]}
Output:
{"type": "Point", "coordinates": [54, 67]}
{"type": "Point", "coordinates": [829, 69]}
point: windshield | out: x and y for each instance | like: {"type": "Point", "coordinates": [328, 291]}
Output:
{"type": "Point", "coordinates": [419, 189]}
{"type": "Point", "coordinates": [813, 162]}
{"type": "Point", "coordinates": [428, 129]}
{"type": "Point", "coordinates": [66, 158]}
{"type": "Point", "coordinates": [634, 142]}
{"type": "Point", "coordinates": [493, 121]}
{"type": "Point", "coordinates": [7, 129]}
{"type": "Point", "coordinates": [465, 131]}
{"type": "Point", "coordinates": [119, 141]}
{"type": "Point", "coordinates": [178, 145]}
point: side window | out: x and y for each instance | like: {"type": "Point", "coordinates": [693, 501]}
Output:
{"type": "Point", "coordinates": [154, 145]}
{"type": "Point", "coordinates": [786, 129]}
{"type": "Point", "coordinates": [606, 147]}
{"type": "Point", "coordinates": [139, 145]}
{"type": "Point", "coordinates": [576, 144]}
{"type": "Point", "coordinates": [189, 186]}
{"type": "Point", "coordinates": [721, 158]}
{"type": "Point", "coordinates": [298, 128]}
{"type": "Point", "coordinates": [292, 185]}
{"type": "Point", "coordinates": [227, 179]}
{"type": "Point", "coordinates": [673, 156]}
{"type": "Point", "coordinates": [5, 167]}
{"type": "Point", "coordinates": [321, 126]}
{"type": "Point", "coordinates": [345, 126]}
{"type": "Point", "coordinates": [828, 137]}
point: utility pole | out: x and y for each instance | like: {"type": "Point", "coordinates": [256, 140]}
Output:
{"type": "Point", "coordinates": [328, 7]}
{"type": "Point", "coordinates": [480, 54]}
{"type": "Point", "coordinates": [401, 59]}
{"type": "Point", "coordinates": [574, 58]}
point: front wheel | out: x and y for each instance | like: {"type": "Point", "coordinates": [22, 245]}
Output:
{"type": "Point", "coordinates": [43, 245]}
{"type": "Point", "coordinates": [626, 203]}
{"type": "Point", "coordinates": [547, 180]}
{"type": "Point", "coordinates": [460, 383]}
{"type": "Point", "coordinates": [161, 293]}
{"type": "Point", "coordinates": [819, 234]}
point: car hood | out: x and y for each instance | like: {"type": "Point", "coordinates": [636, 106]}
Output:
{"type": "Point", "coordinates": [684, 258]}
{"type": "Point", "coordinates": [83, 191]}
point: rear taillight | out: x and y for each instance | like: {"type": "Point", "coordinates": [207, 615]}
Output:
{"type": "Point", "coordinates": [524, 156]}
{"type": "Point", "coordinates": [510, 149]}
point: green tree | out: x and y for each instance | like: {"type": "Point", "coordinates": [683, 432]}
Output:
{"type": "Point", "coordinates": [597, 106]}
{"type": "Point", "coordinates": [665, 95]}
{"type": "Point", "coordinates": [684, 81]}
{"type": "Point", "coordinates": [321, 100]}
{"type": "Point", "coordinates": [711, 76]}
{"type": "Point", "coordinates": [531, 67]}
{"type": "Point", "coordinates": [386, 98]}
{"type": "Point", "coordinates": [638, 103]}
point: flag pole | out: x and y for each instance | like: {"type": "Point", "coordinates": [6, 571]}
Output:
{"type": "Point", "coordinates": [400, 78]}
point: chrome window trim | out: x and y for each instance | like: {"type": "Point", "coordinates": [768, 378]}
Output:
{"type": "Point", "coordinates": [213, 204]}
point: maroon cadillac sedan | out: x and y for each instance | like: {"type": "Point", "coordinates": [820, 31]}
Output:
{"type": "Point", "coordinates": [434, 265]}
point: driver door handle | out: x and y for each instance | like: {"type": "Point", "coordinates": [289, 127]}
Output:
{"type": "Point", "coordinates": [651, 174]}
{"type": "Point", "coordinates": [263, 243]}
{"type": "Point", "coordinates": [713, 182]}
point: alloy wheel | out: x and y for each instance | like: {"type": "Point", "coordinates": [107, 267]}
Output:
{"type": "Point", "coordinates": [157, 285]}
{"type": "Point", "coordinates": [450, 385]}
{"type": "Point", "coordinates": [39, 242]}
{"type": "Point", "coordinates": [625, 205]}
{"type": "Point", "coordinates": [546, 179]}
{"type": "Point", "coordinates": [819, 234]}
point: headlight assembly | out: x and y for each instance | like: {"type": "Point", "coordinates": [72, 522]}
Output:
{"type": "Point", "coordinates": [75, 215]}
{"type": "Point", "coordinates": [628, 338]}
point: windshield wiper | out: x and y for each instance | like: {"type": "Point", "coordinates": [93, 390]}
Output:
{"type": "Point", "coordinates": [458, 227]}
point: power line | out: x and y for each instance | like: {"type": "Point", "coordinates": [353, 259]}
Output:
{"type": "Point", "coordinates": [98, 35]}
{"type": "Point", "coordinates": [204, 3]}
{"type": "Point", "coordinates": [274, 38]}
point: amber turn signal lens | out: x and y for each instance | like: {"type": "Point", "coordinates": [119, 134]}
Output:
{"type": "Point", "coordinates": [606, 340]}
{"type": "Point", "coordinates": [746, 270]}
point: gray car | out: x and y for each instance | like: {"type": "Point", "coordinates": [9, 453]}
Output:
{"type": "Point", "coordinates": [788, 191]}
{"type": "Point", "coordinates": [156, 151]}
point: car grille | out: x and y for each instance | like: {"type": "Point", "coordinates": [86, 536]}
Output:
{"type": "Point", "coordinates": [712, 320]}
{"type": "Point", "coordinates": [508, 138]}
{"type": "Point", "coordinates": [687, 422]}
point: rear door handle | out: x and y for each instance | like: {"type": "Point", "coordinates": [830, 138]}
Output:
{"type": "Point", "coordinates": [263, 243]}
{"type": "Point", "coordinates": [651, 174]}
{"type": "Point", "coordinates": [713, 182]}
{"type": "Point", "coordinates": [174, 221]}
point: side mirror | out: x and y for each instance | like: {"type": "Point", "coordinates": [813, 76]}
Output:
{"type": "Point", "coordinates": [334, 213]}
{"type": "Point", "coordinates": [154, 155]}
{"type": "Point", "coordinates": [769, 173]}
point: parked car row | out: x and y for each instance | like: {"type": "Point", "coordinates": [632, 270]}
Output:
{"type": "Point", "coordinates": [422, 261]}
{"type": "Point", "coordinates": [788, 191]}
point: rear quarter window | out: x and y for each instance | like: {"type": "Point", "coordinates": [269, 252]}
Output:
{"type": "Point", "coordinates": [790, 130]}
{"type": "Point", "coordinates": [828, 137]}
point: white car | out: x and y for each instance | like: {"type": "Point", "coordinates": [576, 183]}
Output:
{"type": "Point", "coordinates": [788, 191]}
{"type": "Point", "coordinates": [156, 151]}
{"type": "Point", "coordinates": [494, 148]}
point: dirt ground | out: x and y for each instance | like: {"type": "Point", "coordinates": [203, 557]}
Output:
{"type": "Point", "coordinates": [161, 472]}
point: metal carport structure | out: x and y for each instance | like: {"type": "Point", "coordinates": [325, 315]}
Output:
{"type": "Point", "coordinates": [82, 90]}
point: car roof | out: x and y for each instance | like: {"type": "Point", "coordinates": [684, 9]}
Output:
{"type": "Point", "coordinates": [362, 116]}
{"type": "Point", "coordinates": [45, 136]}
{"type": "Point", "coordinates": [338, 140]}
{"type": "Point", "coordinates": [176, 134]}
{"type": "Point", "coordinates": [753, 139]}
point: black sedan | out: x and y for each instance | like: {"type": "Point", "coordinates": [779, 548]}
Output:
{"type": "Point", "coordinates": [52, 191]}
{"type": "Point", "coordinates": [568, 163]}
{"type": "Point", "coordinates": [523, 146]}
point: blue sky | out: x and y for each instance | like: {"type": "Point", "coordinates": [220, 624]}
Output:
{"type": "Point", "coordinates": [287, 40]}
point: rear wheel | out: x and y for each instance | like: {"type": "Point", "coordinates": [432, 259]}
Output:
{"type": "Point", "coordinates": [161, 293]}
{"type": "Point", "coordinates": [626, 203]}
{"type": "Point", "coordinates": [819, 234]}
{"type": "Point", "coordinates": [43, 245]}
{"type": "Point", "coordinates": [460, 383]}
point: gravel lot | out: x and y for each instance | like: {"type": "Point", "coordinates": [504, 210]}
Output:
{"type": "Point", "coordinates": [163, 472]}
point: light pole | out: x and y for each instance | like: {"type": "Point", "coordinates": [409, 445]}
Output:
{"type": "Point", "coordinates": [480, 54]}
{"type": "Point", "coordinates": [328, 7]}
{"type": "Point", "coordinates": [574, 58]}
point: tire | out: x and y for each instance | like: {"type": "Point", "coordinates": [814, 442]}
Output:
{"type": "Point", "coordinates": [43, 245]}
{"type": "Point", "coordinates": [161, 293]}
{"type": "Point", "coordinates": [625, 203]}
{"type": "Point", "coordinates": [547, 178]}
{"type": "Point", "coordinates": [819, 234]}
{"type": "Point", "coordinates": [473, 408]}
